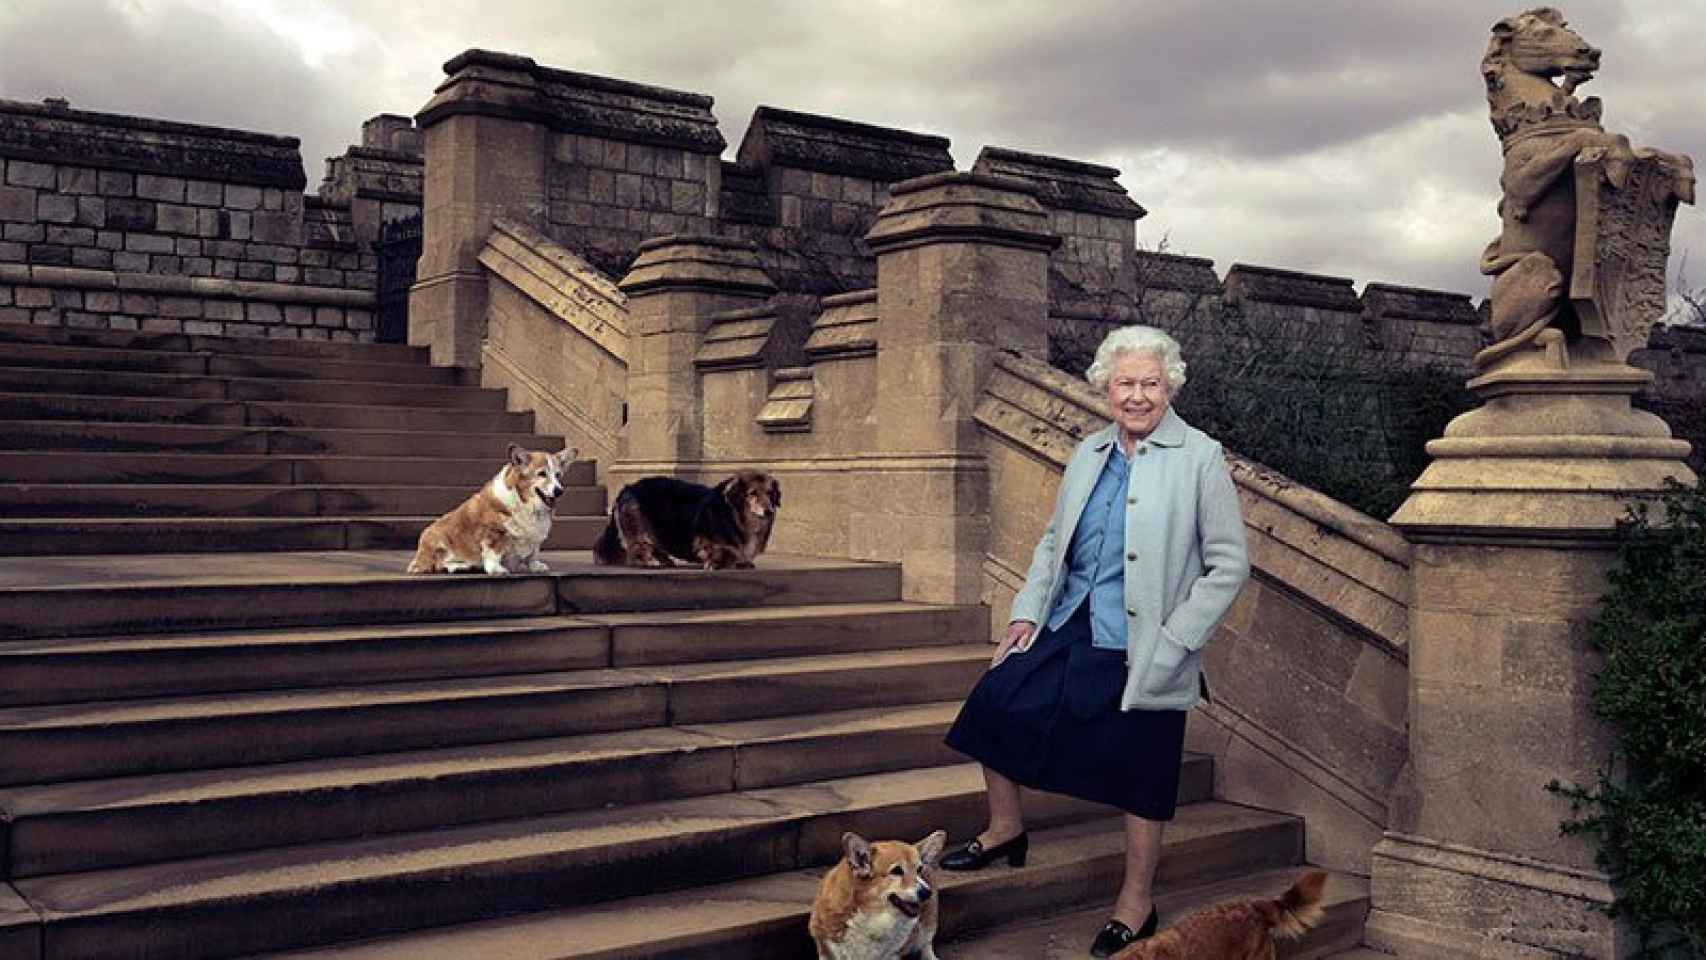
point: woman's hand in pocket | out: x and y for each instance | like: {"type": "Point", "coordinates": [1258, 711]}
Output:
{"type": "Point", "coordinates": [1020, 633]}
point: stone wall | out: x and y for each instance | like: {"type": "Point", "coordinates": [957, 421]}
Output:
{"type": "Point", "coordinates": [114, 222]}
{"type": "Point", "coordinates": [375, 182]}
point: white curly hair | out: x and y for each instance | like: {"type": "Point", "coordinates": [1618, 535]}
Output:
{"type": "Point", "coordinates": [1137, 338]}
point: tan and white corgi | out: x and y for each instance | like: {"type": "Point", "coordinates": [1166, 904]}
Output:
{"type": "Point", "coordinates": [878, 902]}
{"type": "Point", "coordinates": [502, 526]}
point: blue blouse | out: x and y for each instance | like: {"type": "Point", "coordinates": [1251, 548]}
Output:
{"type": "Point", "coordinates": [1094, 567]}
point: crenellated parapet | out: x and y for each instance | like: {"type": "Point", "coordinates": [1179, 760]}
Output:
{"type": "Point", "coordinates": [112, 222]}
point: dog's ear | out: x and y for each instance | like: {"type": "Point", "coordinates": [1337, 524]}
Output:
{"type": "Point", "coordinates": [567, 457]}
{"type": "Point", "coordinates": [775, 494]}
{"type": "Point", "coordinates": [858, 852]}
{"type": "Point", "coordinates": [730, 490]}
{"type": "Point", "coordinates": [930, 848]}
{"type": "Point", "coordinates": [517, 455]}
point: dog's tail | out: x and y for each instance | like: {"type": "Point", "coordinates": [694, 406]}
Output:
{"type": "Point", "coordinates": [607, 549]}
{"type": "Point", "coordinates": [1299, 908]}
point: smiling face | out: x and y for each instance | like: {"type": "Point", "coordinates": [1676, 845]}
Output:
{"type": "Point", "coordinates": [1138, 393]}
{"type": "Point", "coordinates": [535, 473]}
{"type": "Point", "coordinates": [895, 874]}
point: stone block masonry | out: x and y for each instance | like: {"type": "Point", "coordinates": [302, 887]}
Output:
{"type": "Point", "coordinates": [186, 224]}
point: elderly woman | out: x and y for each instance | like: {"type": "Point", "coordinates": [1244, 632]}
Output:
{"type": "Point", "coordinates": [1087, 692]}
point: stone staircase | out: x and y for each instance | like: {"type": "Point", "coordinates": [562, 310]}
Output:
{"type": "Point", "coordinates": [114, 442]}
{"type": "Point", "coordinates": [229, 726]}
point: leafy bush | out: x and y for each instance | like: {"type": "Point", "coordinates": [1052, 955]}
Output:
{"type": "Point", "coordinates": [1648, 809]}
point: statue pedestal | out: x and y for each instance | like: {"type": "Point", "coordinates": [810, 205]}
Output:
{"type": "Point", "coordinates": [1513, 529]}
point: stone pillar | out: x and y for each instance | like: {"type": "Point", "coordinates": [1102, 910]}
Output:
{"type": "Point", "coordinates": [485, 157]}
{"type": "Point", "coordinates": [1512, 525]}
{"type": "Point", "coordinates": [962, 273]}
{"type": "Point", "coordinates": [676, 284]}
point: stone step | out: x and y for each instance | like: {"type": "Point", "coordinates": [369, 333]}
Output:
{"type": "Point", "coordinates": [764, 917]}
{"type": "Point", "coordinates": [98, 824]}
{"type": "Point", "coordinates": [78, 466]}
{"type": "Point", "coordinates": [180, 438]}
{"type": "Point", "coordinates": [324, 893]}
{"type": "Point", "coordinates": [61, 742]}
{"type": "Point", "coordinates": [192, 343]}
{"type": "Point", "coordinates": [76, 669]}
{"type": "Point", "coordinates": [258, 413]}
{"type": "Point", "coordinates": [130, 501]}
{"type": "Point", "coordinates": [47, 356]}
{"type": "Point", "coordinates": [1068, 935]}
{"type": "Point", "coordinates": [142, 593]}
{"type": "Point", "coordinates": [16, 379]}
{"type": "Point", "coordinates": [54, 536]}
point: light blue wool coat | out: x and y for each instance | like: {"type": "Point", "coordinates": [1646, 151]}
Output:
{"type": "Point", "coordinates": [1185, 557]}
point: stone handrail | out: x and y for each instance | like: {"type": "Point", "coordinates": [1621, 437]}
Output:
{"type": "Point", "coordinates": [557, 338]}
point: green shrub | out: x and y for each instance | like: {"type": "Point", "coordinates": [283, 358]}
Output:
{"type": "Point", "coordinates": [1648, 809]}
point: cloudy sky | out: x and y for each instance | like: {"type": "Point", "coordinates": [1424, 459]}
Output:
{"type": "Point", "coordinates": [1341, 136]}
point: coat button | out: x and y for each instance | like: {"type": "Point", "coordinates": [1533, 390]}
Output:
{"type": "Point", "coordinates": [1131, 556]}
{"type": "Point", "coordinates": [1130, 499]}
{"type": "Point", "coordinates": [1130, 612]}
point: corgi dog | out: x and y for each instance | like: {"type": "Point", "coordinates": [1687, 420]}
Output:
{"type": "Point", "coordinates": [1237, 931]}
{"type": "Point", "coordinates": [878, 903]}
{"type": "Point", "coordinates": [502, 526]}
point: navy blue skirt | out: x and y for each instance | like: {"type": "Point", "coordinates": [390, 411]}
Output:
{"type": "Point", "coordinates": [1050, 719]}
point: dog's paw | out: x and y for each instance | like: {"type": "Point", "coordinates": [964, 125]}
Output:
{"type": "Point", "coordinates": [538, 566]}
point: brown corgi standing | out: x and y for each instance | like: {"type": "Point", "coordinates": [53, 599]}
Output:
{"type": "Point", "coordinates": [502, 526]}
{"type": "Point", "coordinates": [1238, 931]}
{"type": "Point", "coordinates": [878, 903]}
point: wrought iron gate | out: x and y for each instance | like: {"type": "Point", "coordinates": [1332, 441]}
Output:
{"type": "Point", "coordinates": [398, 248]}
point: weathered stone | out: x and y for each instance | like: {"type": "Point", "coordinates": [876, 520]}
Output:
{"type": "Point", "coordinates": [180, 307]}
{"type": "Point", "coordinates": [149, 243]}
{"type": "Point", "coordinates": [242, 198]}
{"type": "Point", "coordinates": [92, 211]}
{"type": "Point", "coordinates": [172, 218]}
{"type": "Point", "coordinates": [71, 236]}
{"type": "Point", "coordinates": [18, 204]}
{"type": "Point", "coordinates": [49, 254]}
{"type": "Point", "coordinates": [22, 173]}
{"type": "Point", "coordinates": [76, 180]}
{"type": "Point", "coordinates": [100, 301]}
{"type": "Point", "coordinates": [117, 183]}
{"type": "Point", "coordinates": [53, 208]}
{"type": "Point", "coordinates": [136, 215]}
{"type": "Point", "coordinates": [13, 252]}
{"type": "Point", "coordinates": [168, 189]}
{"type": "Point", "coordinates": [328, 317]}
{"type": "Point", "coordinates": [222, 310]}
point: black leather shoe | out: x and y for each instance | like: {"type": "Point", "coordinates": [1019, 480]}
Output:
{"type": "Point", "coordinates": [1116, 936]}
{"type": "Point", "coordinates": [972, 855]}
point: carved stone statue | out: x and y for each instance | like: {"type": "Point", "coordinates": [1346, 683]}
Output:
{"type": "Point", "coordinates": [1558, 158]}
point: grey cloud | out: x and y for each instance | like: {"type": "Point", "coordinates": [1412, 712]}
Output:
{"type": "Point", "coordinates": [1347, 136]}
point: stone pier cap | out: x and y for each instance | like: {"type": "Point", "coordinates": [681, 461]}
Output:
{"type": "Point", "coordinates": [961, 205]}
{"type": "Point", "coordinates": [490, 83]}
{"type": "Point", "coordinates": [690, 261]}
